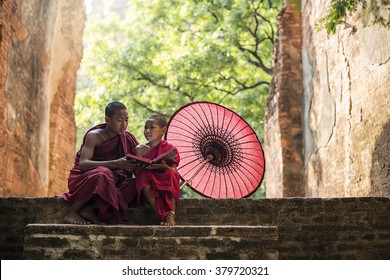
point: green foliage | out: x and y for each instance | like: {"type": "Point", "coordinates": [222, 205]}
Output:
{"type": "Point", "coordinates": [168, 53]}
{"type": "Point", "coordinates": [339, 9]}
{"type": "Point", "coordinates": [187, 192]}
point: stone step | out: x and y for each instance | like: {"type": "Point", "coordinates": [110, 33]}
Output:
{"type": "Point", "coordinates": [308, 228]}
{"type": "Point", "coordinates": [126, 242]}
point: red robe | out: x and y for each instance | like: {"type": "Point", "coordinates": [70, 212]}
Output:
{"type": "Point", "coordinates": [164, 184]}
{"type": "Point", "coordinates": [111, 190]}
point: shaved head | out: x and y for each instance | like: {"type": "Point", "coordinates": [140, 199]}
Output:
{"type": "Point", "coordinates": [112, 107]}
{"type": "Point", "coordinates": [160, 119]}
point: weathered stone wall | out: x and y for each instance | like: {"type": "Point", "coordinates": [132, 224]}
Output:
{"type": "Point", "coordinates": [346, 107]}
{"type": "Point", "coordinates": [308, 228]}
{"type": "Point", "coordinates": [283, 129]}
{"type": "Point", "coordinates": [40, 52]}
{"type": "Point", "coordinates": [327, 131]}
{"type": "Point", "coordinates": [67, 50]}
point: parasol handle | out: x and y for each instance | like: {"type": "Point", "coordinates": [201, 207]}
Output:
{"type": "Point", "coordinates": [203, 163]}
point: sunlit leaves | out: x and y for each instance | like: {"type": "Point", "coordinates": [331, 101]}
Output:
{"type": "Point", "coordinates": [168, 53]}
{"type": "Point", "coordinates": [372, 11]}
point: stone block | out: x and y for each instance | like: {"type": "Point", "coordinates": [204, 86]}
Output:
{"type": "Point", "coordinates": [55, 241]}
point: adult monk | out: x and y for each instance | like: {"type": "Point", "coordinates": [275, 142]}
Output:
{"type": "Point", "coordinates": [159, 183]}
{"type": "Point", "coordinates": [100, 182]}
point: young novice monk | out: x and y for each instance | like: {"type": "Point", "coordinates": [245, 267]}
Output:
{"type": "Point", "coordinates": [100, 182]}
{"type": "Point", "coordinates": [158, 183]}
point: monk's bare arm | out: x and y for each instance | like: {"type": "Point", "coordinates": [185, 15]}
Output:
{"type": "Point", "coordinates": [141, 150]}
{"type": "Point", "coordinates": [92, 140]}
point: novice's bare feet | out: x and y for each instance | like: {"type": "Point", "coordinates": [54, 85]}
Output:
{"type": "Point", "coordinates": [75, 218]}
{"type": "Point", "coordinates": [89, 214]}
{"type": "Point", "coordinates": [170, 219]}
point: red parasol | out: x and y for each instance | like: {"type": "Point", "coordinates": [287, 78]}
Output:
{"type": "Point", "coordinates": [221, 156]}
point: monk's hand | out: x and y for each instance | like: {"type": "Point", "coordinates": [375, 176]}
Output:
{"type": "Point", "coordinates": [161, 165]}
{"type": "Point", "coordinates": [124, 164]}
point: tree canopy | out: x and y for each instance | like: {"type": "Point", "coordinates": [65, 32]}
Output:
{"type": "Point", "coordinates": [167, 53]}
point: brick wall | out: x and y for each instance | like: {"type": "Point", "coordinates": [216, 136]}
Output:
{"type": "Point", "coordinates": [40, 52]}
{"type": "Point", "coordinates": [309, 228]}
{"type": "Point", "coordinates": [283, 129]}
{"type": "Point", "coordinates": [67, 50]}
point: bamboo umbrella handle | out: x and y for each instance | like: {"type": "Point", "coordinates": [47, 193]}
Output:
{"type": "Point", "coordinates": [202, 164]}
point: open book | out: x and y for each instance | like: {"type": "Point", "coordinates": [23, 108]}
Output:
{"type": "Point", "coordinates": [168, 156]}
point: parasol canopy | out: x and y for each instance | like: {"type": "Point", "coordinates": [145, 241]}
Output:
{"type": "Point", "coordinates": [220, 154]}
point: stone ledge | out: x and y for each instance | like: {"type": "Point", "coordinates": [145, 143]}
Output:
{"type": "Point", "coordinates": [62, 241]}
{"type": "Point", "coordinates": [308, 228]}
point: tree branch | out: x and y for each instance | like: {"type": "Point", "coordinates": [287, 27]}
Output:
{"type": "Point", "coordinates": [149, 109]}
{"type": "Point", "coordinates": [146, 77]}
{"type": "Point", "coordinates": [243, 86]}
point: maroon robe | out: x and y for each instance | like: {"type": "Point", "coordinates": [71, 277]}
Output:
{"type": "Point", "coordinates": [111, 190]}
{"type": "Point", "coordinates": [164, 184]}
